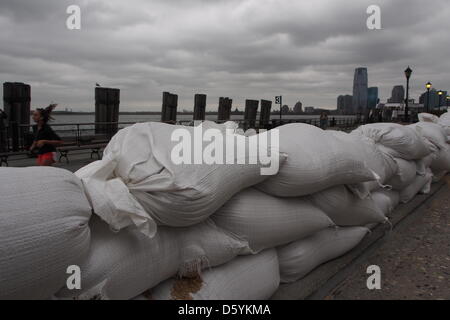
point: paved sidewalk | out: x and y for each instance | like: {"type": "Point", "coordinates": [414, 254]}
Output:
{"type": "Point", "coordinates": [414, 262]}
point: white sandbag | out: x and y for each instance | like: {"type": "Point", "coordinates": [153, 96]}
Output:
{"type": "Point", "coordinates": [397, 140]}
{"type": "Point", "coordinates": [253, 277]}
{"type": "Point", "coordinates": [420, 183]}
{"type": "Point", "coordinates": [434, 133]}
{"type": "Point", "coordinates": [266, 221]}
{"type": "Point", "coordinates": [442, 160]}
{"type": "Point", "coordinates": [44, 229]}
{"type": "Point", "coordinates": [346, 209]}
{"type": "Point", "coordinates": [386, 200]}
{"type": "Point", "coordinates": [316, 161]}
{"type": "Point", "coordinates": [424, 164]}
{"type": "Point", "coordinates": [427, 117]}
{"type": "Point", "coordinates": [122, 265]}
{"type": "Point", "coordinates": [406, 174]}
{"type": "Point", "coordinates": [444, 121]}
{"type": "Point", "coordinates": [300, 258]}
{"type": "Point", "coordinates": [381, 163]}
{"type": "Point", "coordinates": [139, 183]}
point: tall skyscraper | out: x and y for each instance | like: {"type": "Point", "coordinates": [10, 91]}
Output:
{"type": "Point", "coordinates": [398, 95]}
{"type": "Point", "coordinates": [360, 90]}
{"type": "Point", "coordinates": [372, 97]}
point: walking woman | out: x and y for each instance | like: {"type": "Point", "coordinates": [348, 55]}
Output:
{"type": "Point", "coordinates": [45, 139]}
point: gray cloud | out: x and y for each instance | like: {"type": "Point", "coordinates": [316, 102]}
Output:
{"type": "Point", "coordinates": [305, 50]}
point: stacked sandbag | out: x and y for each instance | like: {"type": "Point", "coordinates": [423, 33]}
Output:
{"type": "Point", "coordinates": [421, 184]}
{"type": "Point", "coordinates": [386, 200]}
{"type": "Point", "coordinates": [405, 175]}
{"type": "Point", "coordinates": [267, 222]}
{"type": "Point", "coordinates": [300, 258]}
{"type": "Point", "coordinates": [137, 182]}
{"type": "Point", "coordinates": [315, 161]}
{"type": "Point", "coordinates": [44, 229]}
{"type": "Point", "coordinates": [122, 265]}
{"type": "Point", "coordinates": [381, 163]}
{"type": "Point", "coordinates": [444, 121]}
{"type": "Point", "coordinates": [345, 209]}
{"type": "Point", "coordinates": [437, 137]}
{"type": "Point", "coordinates": [397, 140]}
{"type": "Point", "coordinates": [255, 277]}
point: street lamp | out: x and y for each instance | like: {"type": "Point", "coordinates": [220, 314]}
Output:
{"type": "Point", "coordinates": [440, 93]}
{"type": "Point", "coordinates": [408, 73]}
{"type": "Point", "coordinates": [429, 86]}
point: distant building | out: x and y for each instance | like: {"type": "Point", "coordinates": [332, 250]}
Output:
{"type": "Point", "coordinates": [309, 110]}
{"type": "Point", "coordinates": [285, 109]}
{"type": "Point", "coordinates": [345, 104]}
{"type": "Point", "coordinates": [434, 99]}
{"type": "Point", "coordinates": [372, 97]}
{"type": "Point", "coordinates": [398, 95]}
{"type": "Point", "coordinates": [360, 90]}
{"type": "Point", "coordinates": [298, 108]}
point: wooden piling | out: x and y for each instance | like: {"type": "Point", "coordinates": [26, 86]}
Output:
{"type": "Point", "coordinates": [251, 110]}
{"type": "Point", "coordinates": [169, 108]}
{"type": "Point", "coordinates": [200, 107]}
{"type": "Point", "coordinates": [225, 105]}
{"type": "Point", "coordinates": [264, 119]}
{"type": "Point", "coordinates": [107, 105]}
{"type": "Point", "coordinates": [16, 102]}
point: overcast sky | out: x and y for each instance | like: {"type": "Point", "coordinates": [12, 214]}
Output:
{"type": "Point", "coordinates": [244, 49]}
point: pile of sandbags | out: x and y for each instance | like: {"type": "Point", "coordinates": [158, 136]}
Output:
{"type": "Point", "coordinates": [44, 216]}
{"type": "Point", "coordinates": [123, 265]}
{"type": "Point", "coordinates": [137, 183]}
{"type": "Point", "coordinates": [227, 231]}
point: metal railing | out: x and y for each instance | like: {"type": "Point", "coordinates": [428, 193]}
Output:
{"type": "Point", "coordinates": [18, 138]}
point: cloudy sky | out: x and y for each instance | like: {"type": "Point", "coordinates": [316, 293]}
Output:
{"type": "Point", "coordinates": [244, 49]}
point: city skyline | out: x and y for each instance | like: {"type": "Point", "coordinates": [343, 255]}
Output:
{"type": "Point", "coordinates": [239, 49]}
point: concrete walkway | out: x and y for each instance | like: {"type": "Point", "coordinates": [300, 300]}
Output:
{"type": "Point", "coordinates": [414, 262]}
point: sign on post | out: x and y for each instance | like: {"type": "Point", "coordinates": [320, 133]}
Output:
{"type": "Point", "coordinates": [279, 100]}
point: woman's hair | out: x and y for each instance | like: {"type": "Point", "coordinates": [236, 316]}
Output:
{"type": "Point", "coordinates": [46, 114]}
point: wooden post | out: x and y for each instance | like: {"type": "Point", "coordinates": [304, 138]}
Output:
{"type": "Point", "coordinates": [107, 105]}
{"type": "Point", "coordinates": [16, 101]}
{"type": "Point", "coordinates": [266, 108]}
{"type": "Point", "coordinates": [225, 105]}
{"type": "Point", "coordinates": [169, 108]}
{"type": "Point", "coordinates": [200, 107]}
{"type": "Point", "coordinates": [251, 110]}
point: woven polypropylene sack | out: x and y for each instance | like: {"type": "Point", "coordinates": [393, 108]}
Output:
{"type": "Point", "coordinates": [399, 141]}
{"type": "Point", "coordinates": [316, 161]}
{"type": "Point", "coordinates": [44, 229]}
{"type": "Point", "coordinates": [122, 265]}
{"type": "Point", "coordinates": [406, 173]}
{"type": "Point", "coordinates": [419, 184]}
{"type": "Point", "coordinates": [139, 183]}
{"type": "Point", "coordinates": [300, 258]}
{"type": "Point", "coordinates": [346, 209]}
{"type": "Point", "coordinates": [386, 200]}
{"type": "Point", "coordinates": [266, 221]}
{"type": "Point", "coordinates": [253, 277]}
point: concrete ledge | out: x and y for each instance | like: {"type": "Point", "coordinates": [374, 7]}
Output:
{"type": "Point", "coordinates": [319, 283]}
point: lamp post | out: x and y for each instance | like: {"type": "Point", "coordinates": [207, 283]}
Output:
{"type": "Point", "coordinates": [408, 73]}
{"type": "Point", "coordinates": [440, 93]}
{"type": "Point", "coordinates": [429, 86]}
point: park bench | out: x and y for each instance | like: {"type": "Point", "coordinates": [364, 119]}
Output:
{"type": "Point", "coordinates": [4, 156]}
{"type": "Point", "coordinates": [95, 149]}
